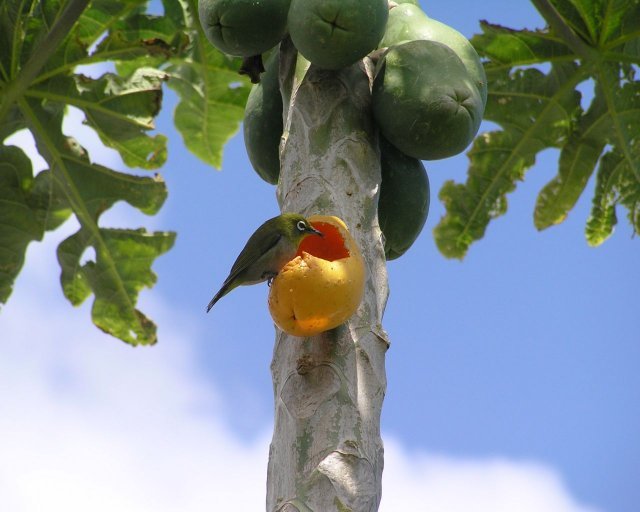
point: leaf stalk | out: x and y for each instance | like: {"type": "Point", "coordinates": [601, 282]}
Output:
{"type": "Point", "coordinates": [557, 23]}
{"type": "Point", "coordinates": [40, 55]}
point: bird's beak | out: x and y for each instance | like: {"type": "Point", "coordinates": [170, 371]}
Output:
{"type": "Point", "coordinates": [314, 231]}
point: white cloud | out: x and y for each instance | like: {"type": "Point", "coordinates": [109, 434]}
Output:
{"type": "Point", "coordinates": [88, 423]}
{"type": "Point", "coordinates": [426, 482]}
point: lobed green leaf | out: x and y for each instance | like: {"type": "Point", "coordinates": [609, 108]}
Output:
{"type": "Point", "coordinates": [212, 94]}
{"type": "Point", "coordinates": [37, 83]}
{"type": "Point", "coordinates": [116, 276]}
{"type": "Point", "coordinates": [20, 224]}
{"type": "Point", "coordinates": [506, 47]}
{"type": "Point", "coordinates": [597, 41]}
{"type": "Point", "coordinates": [498, 161]}
{"type": "Point", "coordinates": [120, 110]}
{"type": "Point", "coordinates": [601, 22]}
{"type": "Point", "coordinates": [610, 184]}
{"type": "Point", "coordinates": [536, 111]}
{"type": "Point", "coordinates": [578, 159]}
{"type": "Point", "coordinates": [618, 177]}
{"type": "Point", "coordinates": [121, 268]}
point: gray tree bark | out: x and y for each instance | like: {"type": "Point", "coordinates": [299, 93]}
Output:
{"type": "Point", "coordinates": [326, 453]}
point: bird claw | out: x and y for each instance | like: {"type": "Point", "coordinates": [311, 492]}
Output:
{"type": "Point", "coordinates": [269, 277]}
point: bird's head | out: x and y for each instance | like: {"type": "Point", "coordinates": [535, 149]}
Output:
{"type": "Point", "coordinates": [297, 228]}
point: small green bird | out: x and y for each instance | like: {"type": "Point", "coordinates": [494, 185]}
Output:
{"type": "Point", "coordinates": [268, 250]}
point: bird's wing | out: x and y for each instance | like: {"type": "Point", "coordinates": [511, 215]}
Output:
{"type": "Point", "coordinates": [245, 258]}
{"type": "Point", "coordinates": [266, 238]}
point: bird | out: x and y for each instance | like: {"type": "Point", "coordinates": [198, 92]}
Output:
{"type": "Point", "coordinates": [270, 247]}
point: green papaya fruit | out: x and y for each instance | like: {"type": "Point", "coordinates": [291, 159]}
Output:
{"type": "Point", "coordinates": [424, 101]}
{"type": "Point", "coordinates": [408, 23]}
{"type": "Point", "coordinates": [262, 123]}
{"type": "Point", "coordinates": [403, 204]}
{"type": "Point", "coordinates": [333, 34]}
{"type": "Point", "coordinates": [244, 27]}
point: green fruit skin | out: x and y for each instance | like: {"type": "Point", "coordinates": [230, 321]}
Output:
{"type": "Point", "coordinates": [424, 101]}
{"type": "Point", "coordinates": [333, 34]}
{"type": "Point", "coordinates": [408, 23]}
{"type": "Point", "coordinates": [244, 27]}
{"type": "Point", "coordinates": [262, 123]}
{"type": "Point", "coordinates": [403, 205]}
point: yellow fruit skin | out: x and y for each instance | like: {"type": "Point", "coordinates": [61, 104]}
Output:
{"type": "Point", "coordinates": [311, 295]}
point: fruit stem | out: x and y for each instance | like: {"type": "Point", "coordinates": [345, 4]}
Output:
{"type": "Point", "coordinates": [252, 67]}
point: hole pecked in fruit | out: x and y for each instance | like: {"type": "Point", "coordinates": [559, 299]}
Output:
{"type": "Point", "coordinates": [330, 247]}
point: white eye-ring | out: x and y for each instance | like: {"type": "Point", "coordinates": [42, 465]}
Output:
{"type": "Point", "coordinates": [301, 225]}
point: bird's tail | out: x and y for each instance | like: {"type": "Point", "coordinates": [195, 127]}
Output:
{"type": "Point", "coordinates": [215, 299]}
{"type": "Point", "coordinates": [226, 288]}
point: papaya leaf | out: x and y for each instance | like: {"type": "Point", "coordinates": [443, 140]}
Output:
{"type": "Point", "coordinates": [19, 223]}
{"type": "Point", "coordinates": [602, 22]}
{"type": "Point", "coordinates": [120, 110]}
{"type": "Point", "coordinates": [143, 40]}
{"type": "Point", "coordinates": [41, 45]}
{"type": "Point", "coordinates": [618, 178]}
{"type": "Point", "coordinates": [13, 122]}
{"type": "Point", "coordinates": [498, 160]}
{"type": "Point", "coordinates": [507, 47]}
{"type": "Point", "coordinates": [48, 201]}
{"type": "Point", "coordinates": [585, 40]}
{"type": "Point", "coordinates": [11, 33]}
{"type": "Point", "coordinates": [27, 209]}
{"type": "Point", "coordinates": [578, 159]}
{"type": "Point", "coordinates": [212, 93]}
{"type": "Point", "coordinates": [614, 184]}
{"type": "Point", "coordinates": [535, 111]}
{"type": "Point", "coordinates": [123, 257]}
{"type": "Point", "coordinates": [101, 15]}
{"type": "Point", "coordinates": [580, 16]}
{"type": "Point", "coordinates": [122, 267]}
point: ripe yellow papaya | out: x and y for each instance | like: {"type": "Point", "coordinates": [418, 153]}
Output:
{"type": "Point", "coordinates": [323, 285]}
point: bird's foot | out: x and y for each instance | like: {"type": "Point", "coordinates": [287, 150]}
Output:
{"type": "Point", "coordinates": [269, 277]}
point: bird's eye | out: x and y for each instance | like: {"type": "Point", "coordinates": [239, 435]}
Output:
{"type": "Point", "coordinates": [301, 225]}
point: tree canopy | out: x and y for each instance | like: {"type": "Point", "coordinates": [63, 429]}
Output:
{"type": "Point", "coordinates": [540, 97]}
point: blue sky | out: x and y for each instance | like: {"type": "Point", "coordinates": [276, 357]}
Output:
{"type": "Point", "coordinates": [512, 375]}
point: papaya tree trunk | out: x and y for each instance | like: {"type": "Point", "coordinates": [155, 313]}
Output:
{"type": "Point", "coordinates": [326, 453]}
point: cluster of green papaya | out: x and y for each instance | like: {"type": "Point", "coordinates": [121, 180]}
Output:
{"type": "Point", "coordinates": [428, 95]}
{"type": "Point", "coordinates": [331, 34]}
